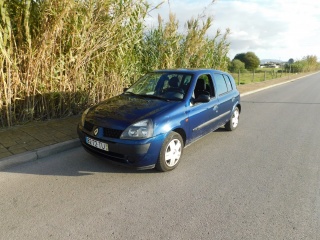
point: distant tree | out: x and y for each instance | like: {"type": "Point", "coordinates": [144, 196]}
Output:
{"type": "Point", "coordinates": [291, 61]}
{"type": "Point", "coordinates": [288, 65]}
{"type": "Point", "coordinates": [250, 60]}
{"type": "Point", "coordinates": [240, 56]}
{"type": "Point", "coordinates": [236, 65]}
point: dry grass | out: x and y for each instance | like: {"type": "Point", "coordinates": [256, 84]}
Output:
{"type": "Point", "coordinates": [58, 57]}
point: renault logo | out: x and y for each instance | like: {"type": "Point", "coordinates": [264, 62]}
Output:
{"type": "Point", "coordinates": [95, 131]}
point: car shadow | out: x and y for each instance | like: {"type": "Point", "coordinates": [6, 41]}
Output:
{"type": "Point", "coordinates": [75, 162]}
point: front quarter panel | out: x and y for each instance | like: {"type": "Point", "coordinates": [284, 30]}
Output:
{"type": "Point", "coordinates": [170, 120]}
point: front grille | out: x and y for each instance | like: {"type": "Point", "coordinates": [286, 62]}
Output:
{"type": "Point", "coordinates": [112, 133]}
{"type": "Point", "coordinates": [107, 132]}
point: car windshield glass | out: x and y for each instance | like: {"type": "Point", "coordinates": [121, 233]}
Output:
{"type": "Point", "coordinates": [162, 85]}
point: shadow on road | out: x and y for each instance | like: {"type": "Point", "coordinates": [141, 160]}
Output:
{"type": "Point", "coordinates": [75, 162]}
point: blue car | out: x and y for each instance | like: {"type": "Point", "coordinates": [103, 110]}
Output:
{"type": "Point", "coordinates": [150, 123]}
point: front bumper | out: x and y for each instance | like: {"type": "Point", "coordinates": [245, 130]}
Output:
{"type": "Point", "coordinates": [141, 154]}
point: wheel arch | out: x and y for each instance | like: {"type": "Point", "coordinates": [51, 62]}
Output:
{"type": "Point", "coordinates": [182, 133]}
{"type": "Point", "coordinates": [238, 105]}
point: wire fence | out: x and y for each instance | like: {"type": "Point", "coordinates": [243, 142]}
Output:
{"type": "Point", "coordinates": [260, 75]}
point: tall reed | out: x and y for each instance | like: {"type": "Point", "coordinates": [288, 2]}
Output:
{"type": "Point", "coordinates": [58, 57]}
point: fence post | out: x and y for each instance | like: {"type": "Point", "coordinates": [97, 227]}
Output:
{"type": "Point", "coordinates": [253, 75]}
{"type": "Point", "coordinates": [265, 73]}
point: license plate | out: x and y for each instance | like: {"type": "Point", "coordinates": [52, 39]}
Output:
{"type": "Point", "coordinates": [97, 144]}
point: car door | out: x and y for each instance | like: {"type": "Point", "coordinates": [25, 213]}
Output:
{"type": "Point", "coordinates": [203, 115]}
{"type": "Point", "coordinates": [224, 90]}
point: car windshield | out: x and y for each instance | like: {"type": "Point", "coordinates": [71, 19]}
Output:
{"type": "Point", "coordinates": [166, 86]}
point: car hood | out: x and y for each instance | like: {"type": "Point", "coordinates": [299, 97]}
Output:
{"type": "Point", "coordinates": [124, 110]}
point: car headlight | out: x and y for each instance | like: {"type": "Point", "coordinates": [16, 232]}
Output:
{"type": "Point", "coordinates": [140, 130]}
{"type": "Point", "coordinates": [83, 117]}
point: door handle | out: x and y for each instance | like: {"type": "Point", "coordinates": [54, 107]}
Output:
{"type": "Point", "coordinates": [215, 108]}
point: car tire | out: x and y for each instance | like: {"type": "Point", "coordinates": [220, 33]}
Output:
{"type": "Point", "coordinates": [171, 152]}
{"type": "Point", "coordinates": [232, 124]}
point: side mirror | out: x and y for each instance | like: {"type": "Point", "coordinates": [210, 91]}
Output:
{"type": "Point", "coordinates": [202, 98]}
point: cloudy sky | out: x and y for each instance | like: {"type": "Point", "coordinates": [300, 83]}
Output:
{"type": "Point", "coordinates": [272, 29]}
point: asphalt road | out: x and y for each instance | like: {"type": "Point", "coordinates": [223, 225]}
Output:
{"type": "Point", "coordinates": [261, 181]}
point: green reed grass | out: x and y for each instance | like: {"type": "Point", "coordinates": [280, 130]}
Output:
{"type": "Point", "coordinates": [58, 57]}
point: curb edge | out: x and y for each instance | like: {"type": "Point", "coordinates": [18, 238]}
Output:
{"type": "Point", "coordinates": [38, 153]}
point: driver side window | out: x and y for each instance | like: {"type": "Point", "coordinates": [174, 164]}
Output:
{"type": "Point", "coordinates": [204, 86]}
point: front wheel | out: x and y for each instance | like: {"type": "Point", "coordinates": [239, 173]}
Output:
{"type": "Point", "coordinates": [234, 120]}
{"type": "Point", "coordinates": [170, 153]}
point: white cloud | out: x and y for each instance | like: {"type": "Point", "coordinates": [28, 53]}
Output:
{"type": "Point", "coordinates": [277, 29]}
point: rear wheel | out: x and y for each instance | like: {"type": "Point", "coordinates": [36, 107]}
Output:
{"type": "Point", "coordinates": [232, 124]}
{"type": "Point", "coordinates": [170, 153]}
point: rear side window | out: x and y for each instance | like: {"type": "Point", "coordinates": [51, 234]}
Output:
{"type": "Point", "coordinates": [228, 82]}
{"type": "Point", "coordinates": [221, 84]}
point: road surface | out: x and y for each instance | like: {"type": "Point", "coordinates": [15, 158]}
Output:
{"type": "Point", "coordinates": [261, 181]}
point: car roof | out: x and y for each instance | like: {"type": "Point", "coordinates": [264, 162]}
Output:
{"type": "Point", "coordinates": [189, 70]}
